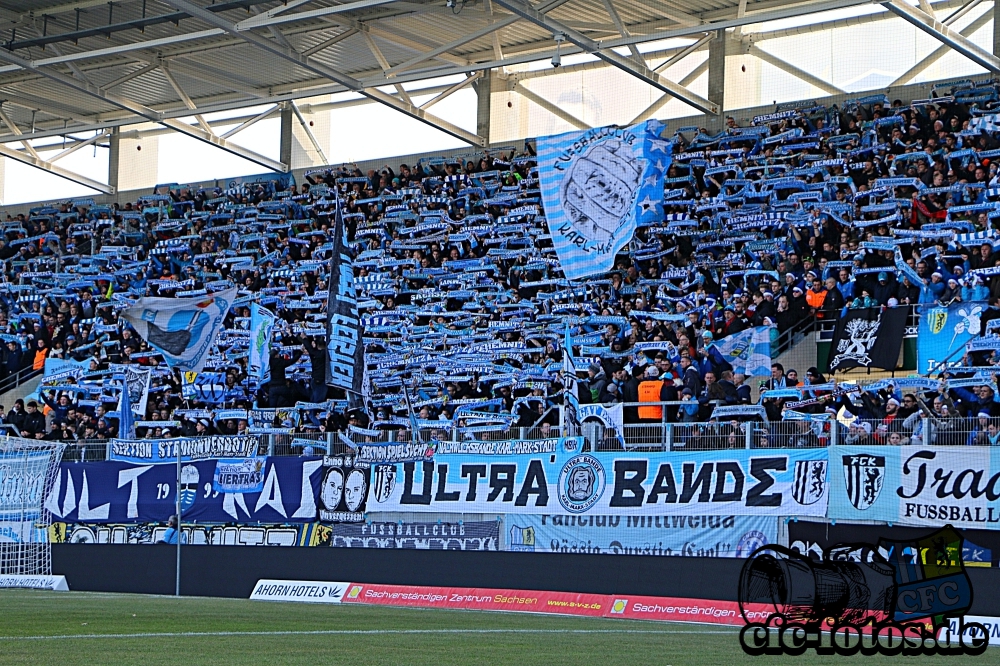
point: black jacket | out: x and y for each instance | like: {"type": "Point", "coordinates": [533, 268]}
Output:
{"type": "Point", "coordinates": [34, 423]}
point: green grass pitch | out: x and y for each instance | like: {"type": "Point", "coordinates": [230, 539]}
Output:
{"type": "Point", "coordinates": [86, 628]}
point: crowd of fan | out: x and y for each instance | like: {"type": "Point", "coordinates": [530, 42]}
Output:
{"type": "Point", "coordinates": [795, 216]}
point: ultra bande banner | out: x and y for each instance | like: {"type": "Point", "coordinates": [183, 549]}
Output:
{"type": "Point", "coordinates": [917, 485]}
{"type": "Point", "coordinates": [735, 482]}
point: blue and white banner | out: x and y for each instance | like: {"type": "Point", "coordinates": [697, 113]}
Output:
{"type": "Point", "coordinates": [944, 332]}
{"type": "Point", "coordinates": [239, 475]}
{"type": "Point", "coordinates": [191, 448]}
{"type": "Point", "coordinates": [137, 386]}
{"type": "Point", "coordinates": [597, 186]}
{"type": "Point", "coordinates": [118, 492]}
{"type": "Point", "coordinates": [261, 326]}
{"type": "Point", "coordinates": [609, 416]}
{"type": "Point", "coordinates": [749, 351]}
{"type": "Point", "coordinates": [732, 482]}
{"type": "Point", "coordinates": [182, 329]}
{"type": "Point", "coordinates": [22, 482]}
{"type": "Point", "coordinates": [668, 536]}
{"type": "Point", "coordinates": [58, 369]}
{"type": "Point", "coordinates": [915, 485]}
{"type": "Point", "coordinates": [393, 452]}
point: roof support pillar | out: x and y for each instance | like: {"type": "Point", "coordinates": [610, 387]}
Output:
{"type": "Point", "coordinates": [484, 89]}
{"type": "Point", "coordinates": [717, 69]}
{"type": "Point", "coordinates": [287, 125]}
{"type": "Point", "coordinates": [114, 155]}
{"type": "Point", "coordinates": [133, 160]}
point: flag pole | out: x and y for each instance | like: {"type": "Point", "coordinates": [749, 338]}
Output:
{"type": "Point", "coordinates": [177, 573]}
{"type": "Point", "coordinates": [414, 435]}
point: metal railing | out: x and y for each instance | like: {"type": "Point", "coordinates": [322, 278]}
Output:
{"type": "Point", "coordinates": [716, 435]}
{"type": "Point", "coordinates": [655, 436]}
{"type": "Point", "coordinates": [795, 334]}
{"type": "Point", "coordinates": [11, 382]}
{"type": "Point", "coordinates": [86, 451]}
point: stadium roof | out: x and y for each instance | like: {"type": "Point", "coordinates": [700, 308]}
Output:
{"type": "Point", "coordinates": [92, 64]}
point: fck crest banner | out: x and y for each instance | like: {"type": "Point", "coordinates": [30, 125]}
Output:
{"type": "Point", "coordinates": [597, 186]}
{"type": "Point", "coordinates": [916, 485]}
{"type": "Point", "coordinates": [868, 338]}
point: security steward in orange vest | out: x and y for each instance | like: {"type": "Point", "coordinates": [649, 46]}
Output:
{"type": "Point", "coordinates": [653, 389]}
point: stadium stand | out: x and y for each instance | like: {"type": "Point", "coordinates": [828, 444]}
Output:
{"type": "Point", "coordinates": [804, 214]}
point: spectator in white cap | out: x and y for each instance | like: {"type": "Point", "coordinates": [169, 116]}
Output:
{"type": "Point", "coordinates": [951, 293]}
{"type": "Point", "coordinates": [937, 285]}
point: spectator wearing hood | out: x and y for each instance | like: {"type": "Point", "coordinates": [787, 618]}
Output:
{"type": "Point", "coordinates": [688, 411]}
{"type": "Point", "coordinates": [597, 381]}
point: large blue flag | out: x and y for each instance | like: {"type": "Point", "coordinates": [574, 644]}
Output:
{"type": "Point", "coordinates": [944, 330]}
{"type": "Point", "coordinates": [182, 329]}
{"type": "Point", "coordinates": [749, 351]}
{"type": "Point", "coordinates": [597, 186]}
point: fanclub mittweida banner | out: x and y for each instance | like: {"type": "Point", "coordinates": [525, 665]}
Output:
{"type": "Point", "coordinates": [597, 186]}
{"type": "Point", "coordinates": [917, 485]}
{"type": "Point", "coordinates": [664, 536]}
{"type": "Point", "coordinates": [734, 482]}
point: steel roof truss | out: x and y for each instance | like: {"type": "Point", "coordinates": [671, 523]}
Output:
{"type": "Point", "coordinates": [323, 70]}
{"type": "Point", "coordinates": [640, 71]}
